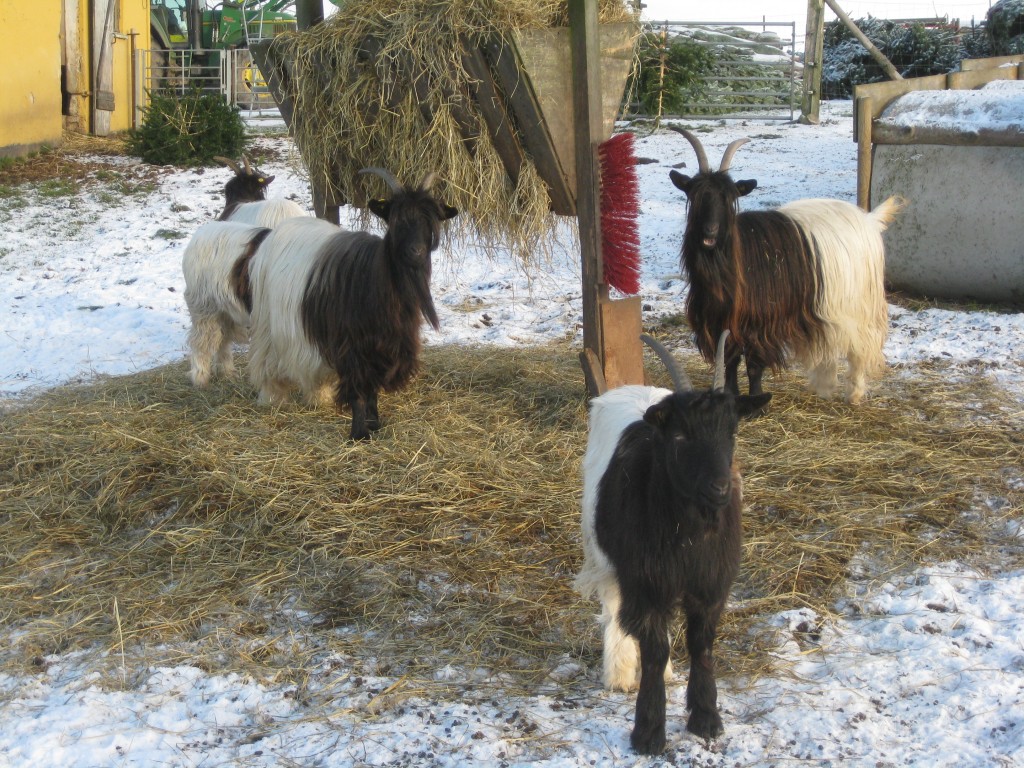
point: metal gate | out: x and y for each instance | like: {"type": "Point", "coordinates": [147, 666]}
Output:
{"type": "Point", "coordinates": [755, 76]}
{"type": "Point", "coordinates": [231, 73]}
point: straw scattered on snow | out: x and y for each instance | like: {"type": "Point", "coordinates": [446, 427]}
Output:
{"type": "Point", "coordinates": [178, 526]}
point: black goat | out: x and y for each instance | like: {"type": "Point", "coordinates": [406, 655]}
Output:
{"type": "Point", "coordinates": [245, 197]}
{"type": "Point", "coordinates": [805, 281]}
{"type": "Point", "coordinates": [662, 502]}
{"type": "Point", "coordinates": [339, 312]}
{"type": "Point", "coordinates": [249, 184]}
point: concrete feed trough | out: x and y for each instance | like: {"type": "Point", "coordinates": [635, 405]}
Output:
{"type": "Point", "coordinates": [958, 158]}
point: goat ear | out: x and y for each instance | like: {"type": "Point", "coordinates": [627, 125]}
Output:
{"type": "Point", "coordinates": [680, 180]}
{"type": "Point", "coordinates": [657, 415]}
{"type": "Point", "coordinates": [449, 212]}
{"type": "Point", "coordinates": [752, 405]}
{"type": "Point", "coordinates": [380, 208]}
{"type": "Point", "coordinates": [264, 180]}
{"type": "Point", "coordinates": [746, 186]}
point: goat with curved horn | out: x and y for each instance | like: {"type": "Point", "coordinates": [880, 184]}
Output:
{"type": "Point", "coordinates": [661, 530]}
{"type": "Point", "coordinates": [338, 312]}
{"type": "Point", "coordinates": [389, 178]}
{"type": "Point", "coordinates": [719, 381]}
{"type": "Point", "coordinates": [680, 381]}
{"type": "Point", "coordinates": [702, 158]}
{"type": "Point", "coordinates": [803, 282]}
{"type": "Point", "coordinates": [245, 197]}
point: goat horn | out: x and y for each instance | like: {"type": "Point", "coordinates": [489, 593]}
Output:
{"type": "Point", "coordinates": [680, 381]}
{"type": "Point", "coordinates": [248, 165]}
{"type": "Point", "coordinates": [428, 181]}
{"type": "Point", "coordinates": [388, 177]}
{"type": "Point", "coordinates": [702, 157]}
{"type": "Point", "coordinates": [229, 163]}
{"type": "Point", "coordinates": [719, 381]}
{"type": "Point", "coordinates": [729, 152]}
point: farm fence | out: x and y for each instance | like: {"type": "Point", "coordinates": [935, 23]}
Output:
{"type": "Point", "coordinates": [754, 74]}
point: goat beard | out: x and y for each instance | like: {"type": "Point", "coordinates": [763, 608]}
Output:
{"type": "Point", "coordinates": [426, 302]}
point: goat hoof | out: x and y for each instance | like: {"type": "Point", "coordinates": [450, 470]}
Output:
{"type": "Point", "coordinates": [706, 725]}
{"type": "Point", "coordinates": [648, 741]}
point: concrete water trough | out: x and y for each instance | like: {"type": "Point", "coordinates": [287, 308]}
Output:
{"type": "Point", "coordinates": [953, 146]}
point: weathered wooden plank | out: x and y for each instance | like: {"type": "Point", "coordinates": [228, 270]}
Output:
{"type": "Point", "coordinates": [276, 70]}
{"type": "Point", "coordinates": [882, 93]}
{"type": "Point", "coordinates": [883, 133]}
{"type": "Point", "coordinates": [485, 94]}
{"type": "Point", "coordinates": [965, 81]}
{"type": "Point", "coordinates": [968, 65]}
{"type": "Point", "coordinates": [532, 131]}
{"type": "Point", "coordinates": [862, 135]}
{"type": "Point", "coordinates": [584, 55]}
{"type": "Point", "coordinates": [623, 353]}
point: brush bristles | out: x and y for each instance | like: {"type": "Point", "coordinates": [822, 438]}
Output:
{"type": "Point", "coordinates": [620, 211]}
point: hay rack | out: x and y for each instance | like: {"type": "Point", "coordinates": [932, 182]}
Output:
{"type": "Point", "coordinates": [547, 97]}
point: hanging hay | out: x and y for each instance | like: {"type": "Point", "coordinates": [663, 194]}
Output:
{"type": "Point", "coordinates": [384, 83]}
{"type": "Point", "coordinates": [178, 526]}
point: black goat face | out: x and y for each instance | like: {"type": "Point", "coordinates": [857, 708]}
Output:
{"type": "Point", "coordinates": [414, 224]}
{"type": "Point", "coordinates": [698, 441]}
{"type": "Point", "coordinates": [713, 202]}
{"type": "Point", "coordinates": [414, 231]}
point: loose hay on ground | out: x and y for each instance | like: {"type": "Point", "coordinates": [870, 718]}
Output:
{"type": "Point", "coordinates": [177, 526]}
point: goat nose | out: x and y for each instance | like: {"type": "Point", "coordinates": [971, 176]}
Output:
{"type": "Point", "coordinates": [721, 488]}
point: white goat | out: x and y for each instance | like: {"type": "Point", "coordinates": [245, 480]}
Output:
{"type": "Point", "coordinates": [217, 293]}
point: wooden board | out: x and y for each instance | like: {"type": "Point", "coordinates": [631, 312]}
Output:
{"type": "Point", "coordinates": [521, 102]}
{"type": "Point", "coordinates": [103, 65]}
{"type": "Point", "coordinates": [492, 108]}
{"type": "Point", "coordinates": [623, 352]}
{"type": "Point", "coordinates": [547, 61]}
{"type": "Point", "coordinates": [968, 65]}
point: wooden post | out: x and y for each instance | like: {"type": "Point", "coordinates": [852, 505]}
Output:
{"type": "Point", "coordinates": [309, 13]}
{"type": "Point", "coordinates": [586, 75]}
{"type": "Point", "coordinates": [612, 355]}
{"type": "Point", "coordinates": [876, 54]}
{"type": "Point", "coordinates": [814, 46]}
{"type": "Point", "coordinates": [864, 119]}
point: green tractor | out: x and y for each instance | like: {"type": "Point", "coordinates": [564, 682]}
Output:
{"type": "Point", "coordinates": [188, 36]}
{"type": "Point", "coordinates": [190, 24]}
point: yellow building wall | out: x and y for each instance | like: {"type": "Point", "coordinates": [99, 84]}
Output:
{"type": "Point", "coordinates": [33, 45]}
{"type": "Point", "coordinates": [30, 106]}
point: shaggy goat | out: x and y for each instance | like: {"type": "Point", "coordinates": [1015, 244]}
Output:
{"type": "Point", "coordinates": [217, 293]}
{"type": "Point", "coordinates": [806, 280]}
{"type": "Point", "coordinates": [340, 312]}
{"type": "Point", "coordinates": [245, 197]}
{"type": "Point", "coordinates": [661, 530]}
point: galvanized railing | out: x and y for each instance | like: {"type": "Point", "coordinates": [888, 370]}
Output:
{"type": "Point", "coordinates": [231, 73]}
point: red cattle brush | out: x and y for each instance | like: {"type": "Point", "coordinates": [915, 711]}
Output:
{"type": "Point", "coordinates": [620, 211]}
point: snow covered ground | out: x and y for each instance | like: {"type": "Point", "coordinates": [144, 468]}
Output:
{"type": "Point", "coordinates": [927, 669]}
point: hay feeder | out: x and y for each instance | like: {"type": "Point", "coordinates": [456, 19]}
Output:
{"type": "Point", "coordinates": [540, 100]}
